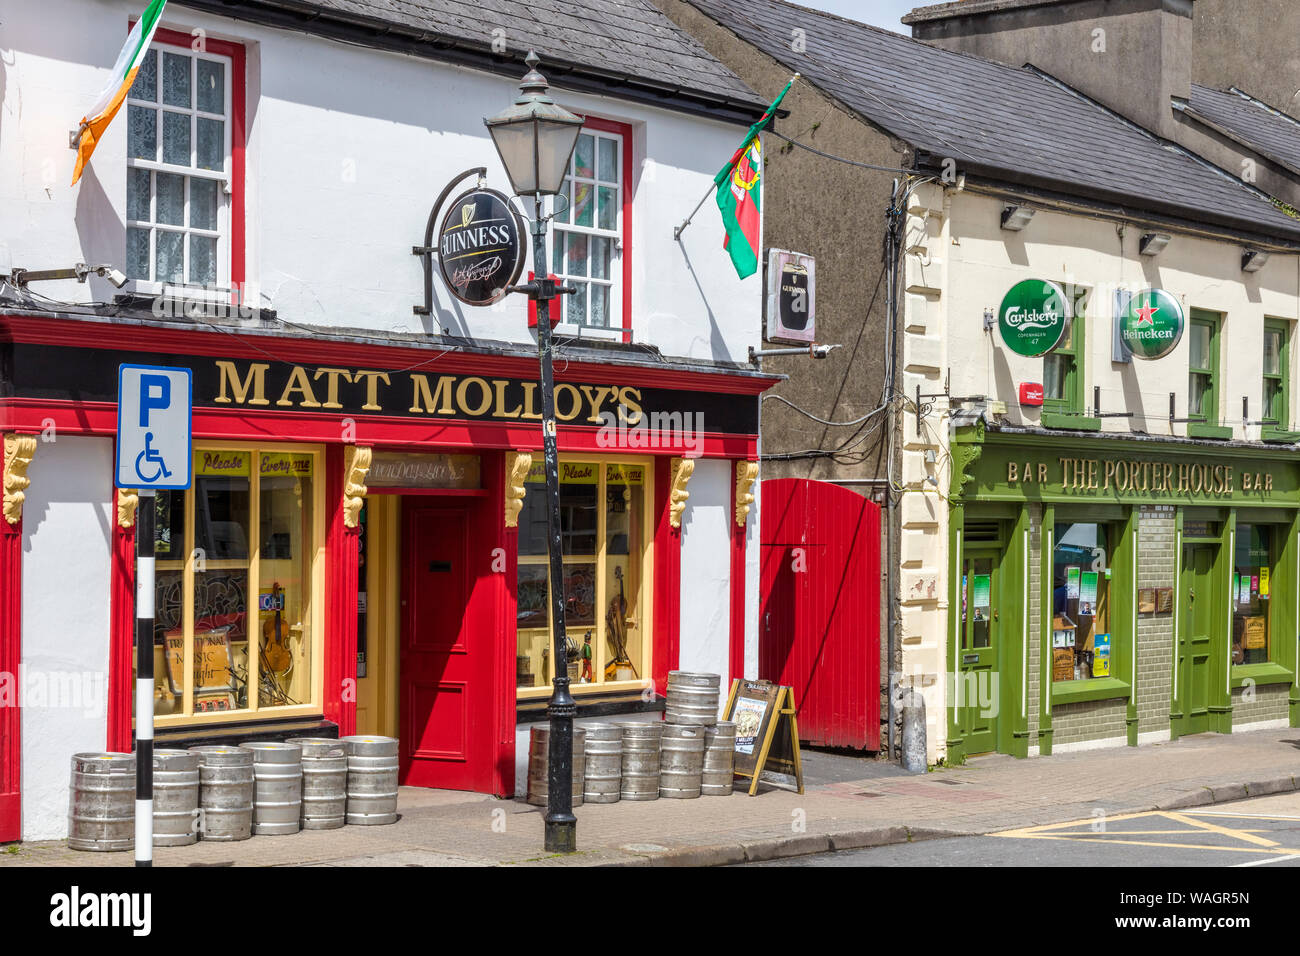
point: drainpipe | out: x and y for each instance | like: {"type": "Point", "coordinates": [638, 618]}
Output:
{"type": "Point", "coordinates": [891, 558]}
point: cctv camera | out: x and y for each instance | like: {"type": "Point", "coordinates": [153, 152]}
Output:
{"type": "Point", "coordinates": [112, 275]}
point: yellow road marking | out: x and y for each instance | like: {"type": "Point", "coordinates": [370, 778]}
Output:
{"type": "Point", "coordinates": [1221, 830]}
{"type": "Point", "coordinates": [1174, 846]}
{"type": "Point", "coordinates": [1243, 816]}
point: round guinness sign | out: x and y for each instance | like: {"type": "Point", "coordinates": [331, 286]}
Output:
{"type": "Point", "coordinates": [480, 246]}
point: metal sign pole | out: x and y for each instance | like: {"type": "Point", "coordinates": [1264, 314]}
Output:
{"type": "Point", "coordinates": [144, 612]}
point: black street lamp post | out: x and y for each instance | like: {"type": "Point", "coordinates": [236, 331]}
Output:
{"type": "Point", "coordinates": [535, 139]}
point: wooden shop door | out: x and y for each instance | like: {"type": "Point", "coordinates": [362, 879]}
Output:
{"type": "Point", "coordinates": [446, 674]}
{"type": "Point", "coordinates": [977, 656]}
{"type": "Point", "coordinates": [1200, 621]}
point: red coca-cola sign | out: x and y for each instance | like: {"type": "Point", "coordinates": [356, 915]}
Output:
{"type": "Point", "coordinates": [1031, 393]}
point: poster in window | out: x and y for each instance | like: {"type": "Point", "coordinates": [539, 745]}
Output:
{"type": "Point", "coordinates": [1063, 663]}
{"type": "Point", "coordinates": [1263, 582]}
{"type": "Point", "coordinates": [1254, 587]}
{"type": "Point", "coordinates": [1072, 584]}
{"type": "Point", "coordinates": [1164, 600]}
{"type": "Point", "coordinates": [1088, 588]}
{"type": "Point", "coordinates": [1101, 655]}
{"type": "Point", "coordinates": [1256, 633]}
{"type": "Point", "coordinates": [531, 607]}
{"type": "Point", "coordinates": [981, 597]}
{"type": "Point", "coordinates": [1146, 600]}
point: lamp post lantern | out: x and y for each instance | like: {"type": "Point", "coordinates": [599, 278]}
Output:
{"type": "Point", "coordinates": [535, 138]}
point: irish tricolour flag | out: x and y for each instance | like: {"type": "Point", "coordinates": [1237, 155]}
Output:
{"type": "Point", "coordinates": [110, 100]}
{"type": "Point", "coordinates": [739, 191]}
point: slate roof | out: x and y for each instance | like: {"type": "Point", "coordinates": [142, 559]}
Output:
{"type": "Point", "coordinates": [619, 47]}
{"type": "Point", "coordinates": [1251, 122]}
{"type": "Point", "coordinates": [999, 122]}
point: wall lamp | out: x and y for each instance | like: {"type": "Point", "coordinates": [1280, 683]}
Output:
{"type": "Point", "coordinates": [1252, 260]}
{"type": "Point", "coordinates": [1016, 218]}
{"type": "Point", "coordinates": [1153, 243]}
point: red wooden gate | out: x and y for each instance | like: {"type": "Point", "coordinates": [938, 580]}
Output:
{"type": "Point", "coordinates": [821, 608]}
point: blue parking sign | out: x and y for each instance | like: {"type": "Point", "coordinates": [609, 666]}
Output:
{"type": "Point", "coordinates": [154, 440]}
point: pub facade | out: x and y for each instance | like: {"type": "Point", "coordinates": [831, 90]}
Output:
{"type": "Point", "coordinates": [362, 549]}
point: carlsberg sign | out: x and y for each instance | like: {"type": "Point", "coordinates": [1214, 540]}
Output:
{"type": "Point", "coordinates": [1033, 317]}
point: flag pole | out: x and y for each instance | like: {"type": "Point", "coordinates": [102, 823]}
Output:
{"type": "Point", "coordinates": [678, 230]}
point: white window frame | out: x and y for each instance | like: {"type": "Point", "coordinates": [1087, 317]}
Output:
{"type": "Point", "coordinates": [618, 321]}
{"type": "Point", "coordinates": [223, 176]}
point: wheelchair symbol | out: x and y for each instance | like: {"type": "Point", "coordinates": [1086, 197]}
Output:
{"type": "Point", "coordinates": [151, 456]}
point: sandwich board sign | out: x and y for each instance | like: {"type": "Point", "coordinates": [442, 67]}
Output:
{"type": "Point", "coordinates": [154, 438]}
{"type": "Point", "coordinates": [767, 734]}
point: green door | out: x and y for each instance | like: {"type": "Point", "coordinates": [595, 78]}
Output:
{"type": "Point", "coordinates": [1198, 618]}
{"type": "Point", "coordinates": [976, 700]}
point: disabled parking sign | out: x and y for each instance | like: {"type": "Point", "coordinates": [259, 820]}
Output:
{"type": "Point", "coordinates": [153, 427]}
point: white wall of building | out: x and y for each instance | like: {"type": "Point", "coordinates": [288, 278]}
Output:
{"type": "Point", "coordinates": [706, 570]}
{"type": "Point", "coordinates": [67, 538]}
{"type": "Point", "coordinates": [347, 150]}
{"type": "Point", "coordinates": [984, 261]}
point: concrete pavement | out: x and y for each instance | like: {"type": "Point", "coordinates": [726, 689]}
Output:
{"type": "Point", "coordinates": [848, 804]}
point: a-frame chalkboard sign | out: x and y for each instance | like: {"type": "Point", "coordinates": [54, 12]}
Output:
{"type": "Point", "coordinates": [767, 734]}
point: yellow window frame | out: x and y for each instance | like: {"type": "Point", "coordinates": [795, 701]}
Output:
{"type": "Point", "coordinates": [315, 600]}
{"type": "Point", "coordinates": [646, 598]}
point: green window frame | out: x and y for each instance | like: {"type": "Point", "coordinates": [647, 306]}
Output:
{"type": "Point", "coordinates": [1276, 396]}
{"type": "Point", "coordinates": [1063, 367]}
{"type": "Point", "coordinates": [1203, 376]}
{"type": "Point", "coordinates": [1121, 527]}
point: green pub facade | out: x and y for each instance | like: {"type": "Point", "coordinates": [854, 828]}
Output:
{"type": "Point", "coordinates": [1112, 590]}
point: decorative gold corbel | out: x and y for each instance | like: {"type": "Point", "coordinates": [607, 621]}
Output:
{"type": "Point", "coordinates": [682, 469]}
{"type": "Point", "coordinates": [518, 464]}
{"type": "Point", "coordinates": [127, 501]}
{"type": "Point", "coordinates": [746, 475]}
{"type": "Point", "coordinates": [19, 451]}
{"type": "Point", "coordinates": [356, 465]}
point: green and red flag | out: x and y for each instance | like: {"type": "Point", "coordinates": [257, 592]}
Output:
{"type": "Point", "coordinates": [739, 194]}
{"type": "Point", "coordinates": [110, 100]}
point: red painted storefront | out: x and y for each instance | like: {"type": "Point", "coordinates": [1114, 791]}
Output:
{"type": "Point", "coordinates": [467, 684]}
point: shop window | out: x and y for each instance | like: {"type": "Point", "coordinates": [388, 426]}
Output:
{"type": "Point", "coordinates": [604, 516]}
{"type": "Point", "coordinates": [179, 177]}
{"type": "Point", "coordinates": [1203, 377]}
{"type": "Point", "coordinates": [1252, 560]}
{"type": "Point", "coordinates": [1277, 379]}
{"type": "Point", "coordinates": [1081, 605]}
{"type": "Point", "coordinates": [589, 227]}
{"type": "Point", "coordinates": [235, 627]}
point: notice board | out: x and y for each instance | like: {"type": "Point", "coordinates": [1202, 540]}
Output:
{"type": "Point", "coordinates": [767, 734]}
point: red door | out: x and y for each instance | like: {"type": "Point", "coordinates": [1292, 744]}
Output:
{"type": "Point", "coordinates": [446, 663]}
{"type": "Point", "coordinates": [820, 617]}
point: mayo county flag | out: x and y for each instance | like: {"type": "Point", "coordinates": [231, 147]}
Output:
{"type": "Point", "coordinates": [110, 100]}
{"type": "Point", "coordinates": [739, 194]}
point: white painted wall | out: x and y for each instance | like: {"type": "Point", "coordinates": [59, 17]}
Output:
{"type": "Point", "coordinates": [706, 570]}
{"type": "Point", "coordinates": [985, 261]}
{"type": "Point", "coordinates": [67, 535]}
{"type": "Point", "coordinates": [348, 148]}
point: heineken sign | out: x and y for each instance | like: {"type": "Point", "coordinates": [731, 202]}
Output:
{"type": "Point", "coordinates": [1152, 325]}
{"type": "Point", "coordinates": [1034, 317]}
{"type": "Point", "coordinates": [480, 247]}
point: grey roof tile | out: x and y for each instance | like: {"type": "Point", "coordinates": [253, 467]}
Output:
{"type": "Point", "coordinates": [1018, 124]}
{"type": "Point", "coordinates": [1269, 132]}
{"type": "Point", "coordinates": [622, 37]}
